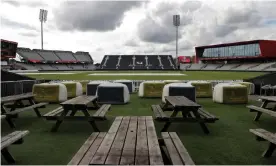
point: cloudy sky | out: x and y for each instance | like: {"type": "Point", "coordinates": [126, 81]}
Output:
{"type": "Point", "coordinates": [135, 27]}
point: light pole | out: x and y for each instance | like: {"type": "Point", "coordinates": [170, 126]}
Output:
{"type": "Point", "coordinates": [42, 18]}
{"type": "Point", "coordinates": [176, 23]}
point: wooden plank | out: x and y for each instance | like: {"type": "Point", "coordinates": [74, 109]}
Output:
{"type": "Point", "coordinates": [181, 149]}
{"type": "Point", "coordinates": [172, 151]}
{"type": "Point", "coordinates": [3, 139]}
{"type": "Point", "coordinates": [158, 111]}
{"type": "Point", "coordinates": [25, 108]}
{"type": "Point", "coordinates": [84, 148]}
{"type": "Point", "coordinates": [181, 101]}
{"type": "Point", "coordinates": [269, 98]}
{"type": "Point", "coordinates": [155, 156]}
{"type": "Point", "coordinates": [13, 139]}
{"type": "Point", "coordinates": [271, 137]}
{"type": "Point", "coordinates": [51, 113]}
{"type": "Point", "coordinates": [7, 99]}
{"type": "Point", "coordinates": [128, 154]}
{"type": "Point", "coordinates": [80, 100]}
{"type": "Point", "coordinates": [259, 109]}
{"type": "Point", "coordinates": [3, 117]}
{"type": "Point", "coordinates": [102, 152]}
{"type": "Point", "coordinates": [114, 155]}
{"type": "Point", "coordinates": [92, 150]}
{"type": "Point", "coordinates": [142, 149]}
{"type": "Point", "coordinates": [107, 107]}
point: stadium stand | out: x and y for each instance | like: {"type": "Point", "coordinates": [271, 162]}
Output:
{"type": "Point", "coordinates": [211, 66]}
{"type": "Point", "coordinates": [245, 66]}
{"type": "Point", "coordinates": [196, 66]}
{"type": "Point", "coordinates": [228, 66]}
{"type": "Point", "coordinates": [37, 59]}
{"type": "Point", "coordinates": [138, 62]}
{"type": "Point", "coordinates": [262, 66]}
{"type": "Point", "coordinates": [83, 56]}
{"type": "Point", "coordinates": [66, 56]}
{"type": "Point", "coordinates": [28, 54]}
{"type": "Point", "coordinates": [48, 55]}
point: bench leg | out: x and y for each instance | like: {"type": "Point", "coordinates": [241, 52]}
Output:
{"type": "Point", "coordinates": [270, 150]}
{"type": "Point", "coordinates": [31, 101]}
{"type": "Point", "coordinates": [8, 157]}
{"type": "Point", "coordinates": [92, 122]}
{"type": "Point", "coordinates": [166, 126]}
{"type": "Point", "coordinates": [204, 128]}
{"type": "Point", "coordinates": [258, 115]}
{"type": "Point", "coordinates": [59, 121]}
{"type": "Point", "coordinates": [10, 122]}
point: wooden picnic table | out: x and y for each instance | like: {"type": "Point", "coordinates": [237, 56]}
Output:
{"type": "Point", "coordinates": [263, 108]}
{"type": "Point", "coordinates": [16, 101]}
{"type": "Point", "coordinates": [69, 108]}
{"type": "Point", "coordinates": [131, 141]}
{"type": "Point", "coordinates": [191, 112]}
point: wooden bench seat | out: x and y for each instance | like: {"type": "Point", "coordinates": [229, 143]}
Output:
{"type": "Point", "coordinates": [100, 114]}
{"type": "Point", "coordinates": [177, 153]}
{"type": "Point", "coordinates": [159, 113]}
{"type": "Point", "coordinates": [206, 115]}
{"type": "Point", "coordinates": [12, 138]}
{"type": "Point", "coordinates": [260, 110]}
{"type": "Point", "coordinates": [25, 109]}
{"type": "Point", "coordinates": [264, 135]}
{"type": "Point", "coordinates": [52, 114]}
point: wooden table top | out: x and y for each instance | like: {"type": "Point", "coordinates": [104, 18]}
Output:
{"type": "Point", "coordinates": [181, 101]}
{"type": "Point", "coordinates": [129, 141]}
{"type": "Point", "coordinates": [269, 98]}
{"type": "Point", "coordinates": [8, 99]}
{"type": "Point", "coordinates": [80, 100]}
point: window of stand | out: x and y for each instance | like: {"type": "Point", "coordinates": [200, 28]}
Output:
{"type": "Point", "coordinates": [230, 51]}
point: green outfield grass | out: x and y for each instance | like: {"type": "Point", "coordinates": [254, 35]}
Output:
{"type": "Point", "coordinates": [229, 142]}
{"type": "Point", "coordinates": [190, 75]}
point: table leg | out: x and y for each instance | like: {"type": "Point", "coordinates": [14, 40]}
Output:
{"type": "Point", "coordinates": [8, 119]}
{"type": "Point", "coordinates": [270, 150]}
{"type": "Point", "coordinates": [31, 101]}
{"type": "Point", "coordinates": [14, 106]}
{"type": "Point", "coordinates": [8, 157]}
{"type": "Point", "coordinates": [258, 115]}
{"type": "Point", "coordinates": [73, 112]}
{"type": "Point", "coordinates": [92, 122]}
{"type": "Point", "coordinates": [167, 124]}
{"type": "Point", "coordinates": [202, 124]}
{"type": "Point", "coordinates": [95, 104]}
{"type": "Point", "coordinates": [59, 121]}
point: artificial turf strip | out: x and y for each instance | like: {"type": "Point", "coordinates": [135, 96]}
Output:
{"type": "Point", "coordinates": [229, 142]}
{"type": "Point", "coordinates": [190, 75]}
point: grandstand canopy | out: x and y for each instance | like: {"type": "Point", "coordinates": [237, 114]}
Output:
{"type": "Point", "coordinates": [253, 49]}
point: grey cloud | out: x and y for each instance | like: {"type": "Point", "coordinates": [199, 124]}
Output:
{"type": "Point", "coordinates": [29, 34]}
{"type": "Point", "coordinates": [151, 31]}
{"type": "Point", "coordinates": [13, 24]}
{"type": "Point", "coordinates": [224, 30]}
{"type": "Point", "coordinates": [25, 3]}
{"type": "Point", "coordinates": [92, 15]}
{"type": "Point", "coordinates": [158, 27]}
{"type": "Point", "coordinates": [131, 43]}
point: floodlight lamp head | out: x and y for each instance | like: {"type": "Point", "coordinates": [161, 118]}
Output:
{"type": "Point", "coordinates": [45, 15]}
{"type": "Point", "coordinates": [41, 15]}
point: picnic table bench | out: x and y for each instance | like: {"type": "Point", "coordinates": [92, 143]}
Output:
{"type": "Point", "coordinates": [15, 137]}
{"type": "Point", "coordinates": [69, 108]}
{"type": "Point", "coordinates": [263, 135]}
{"type": "Point", "coordinates": [129, 141]}
{"type": "Point", "coordinates": [263, 108]}
{"type": "Point", "coordinates": [191, 112]}
{"type": "Point", "coordinates": [16, 101]}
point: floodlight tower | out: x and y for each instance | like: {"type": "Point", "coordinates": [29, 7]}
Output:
{"type": "Point", "coordinates": [176, 23]}
{"type": "Point", "coordinates": [42, 18]}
